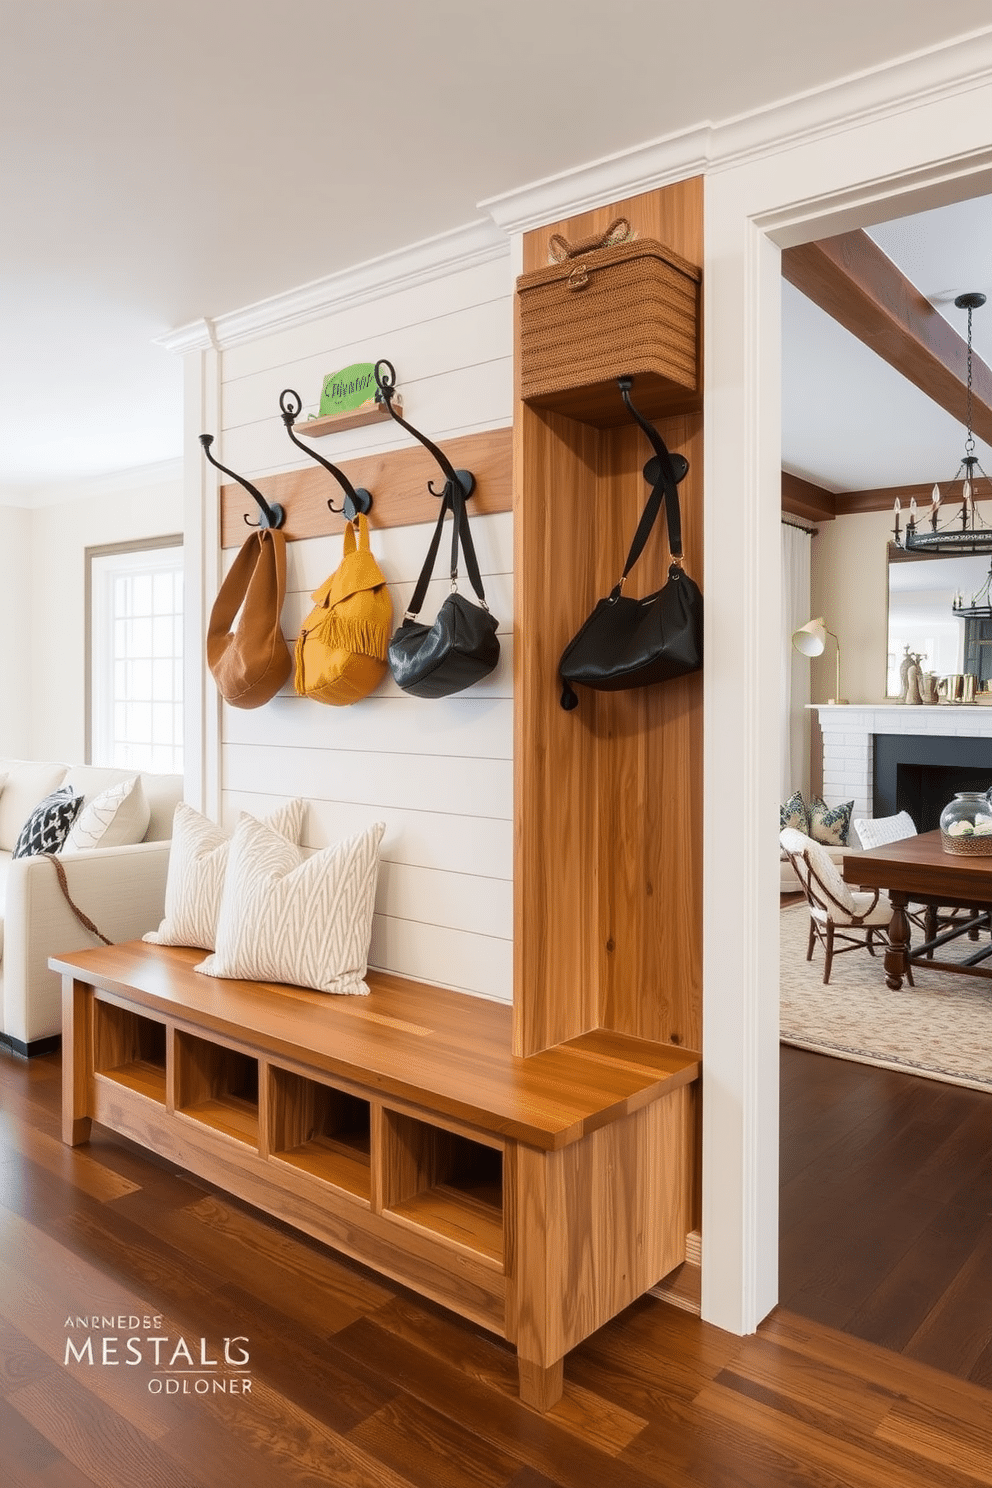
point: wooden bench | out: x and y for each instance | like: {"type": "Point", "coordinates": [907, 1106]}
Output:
{"type": "Point", "coordinates": [536, 1196]}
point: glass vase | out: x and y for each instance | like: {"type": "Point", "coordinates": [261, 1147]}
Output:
{"type": "Point", "coordinates": [966, 825]}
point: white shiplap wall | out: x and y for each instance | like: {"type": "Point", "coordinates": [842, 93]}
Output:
{"type": "Point", "coordinates": [438, 773]}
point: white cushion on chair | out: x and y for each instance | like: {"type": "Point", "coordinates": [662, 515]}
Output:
{"type": "Point", "coordinates": [821, 864]}
{"type": "Point", "coordinates": [877, 831]}
{"type": "Point", "coordinates": [879, 917]}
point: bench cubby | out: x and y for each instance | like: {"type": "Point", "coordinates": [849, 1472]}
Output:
{"type": "Point", "coordinates": [130, 1049]}
{"type": "Point", "coordinates": [321, 1130]}
{"type": "Point", "coordinates": [218, 1085]}
{"type": "Point", "coordinates": [443, 1182]}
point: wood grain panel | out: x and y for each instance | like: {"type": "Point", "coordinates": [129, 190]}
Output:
{"type": "Point", "coordinates": [557, 522]}
{"type": "Point", "coordinates": [398, 482]}
{"type": "Point", "coordinates": [673, 215]}
{"type": "Point", "coordinates": [598, 1224]}
{"type": "Point", "coordinates": [608, 928]}
{"type": "Point", "coordinates": [649, 784]}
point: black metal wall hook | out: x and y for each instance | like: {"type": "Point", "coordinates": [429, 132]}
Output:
{"type": "Point", "coordinates": [272, 516]}
{"type": "Point", "coordinates": [652, 470]}
{"type": "Point", "coordinates": [290, 406]}
{"type": "Point", "coordinates": [386, 384]}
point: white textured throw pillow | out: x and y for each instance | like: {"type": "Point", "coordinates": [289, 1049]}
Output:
{"type": "Point", "coordinates": [197, 869]}
{"type": "Point", "coordinates": [290, 918]}
{"type": "Point", "coordinates": [117, 817]}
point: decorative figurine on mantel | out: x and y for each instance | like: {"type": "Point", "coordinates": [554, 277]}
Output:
{"type": "Point", "coordinates": [904, 666]}
{"type": "Point", "coordinates": [914, 696]}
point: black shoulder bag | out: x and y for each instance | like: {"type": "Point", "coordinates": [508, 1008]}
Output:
{"type": "Point", "coordinates": [629, 643]}
{"type": "Point", "coordinates": [461, 647]}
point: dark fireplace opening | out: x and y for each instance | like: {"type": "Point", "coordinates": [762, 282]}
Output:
{"type": "Point", "coordinates": [924, 790]}
{"type": "Point", "coordinates": [921, 773]}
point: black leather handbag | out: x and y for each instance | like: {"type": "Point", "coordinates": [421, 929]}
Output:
{"type": "Point", "coordinates": [628, 643]}
{"type": "Point", "coordinates": [461, 647]}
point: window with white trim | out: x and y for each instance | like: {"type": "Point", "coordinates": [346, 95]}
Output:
{"type": "Point", "coordinates": [136, 656]}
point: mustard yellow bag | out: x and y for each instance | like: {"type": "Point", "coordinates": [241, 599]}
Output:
{"type": "Point", "coordinates": [341, 650]}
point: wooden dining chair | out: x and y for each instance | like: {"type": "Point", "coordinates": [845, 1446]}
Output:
{"type": "Point", "coordinates": [857, 918]}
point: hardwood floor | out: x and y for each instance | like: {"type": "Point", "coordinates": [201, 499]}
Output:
{"type": "Point", "coordinates": [357, 1383]}
{"type": "Point", "coordinates": [886, 1209]}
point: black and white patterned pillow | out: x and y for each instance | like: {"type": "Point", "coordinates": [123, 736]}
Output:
{"type": "Point", "coordinates": [49, 823]}
{"type": "Point", "coordinates": [830, 824]}
{"type": "Point", "coordinates": [794, 813]}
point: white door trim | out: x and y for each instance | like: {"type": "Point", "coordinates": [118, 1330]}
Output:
{"type": "Point", "coordinates": [934, 150]}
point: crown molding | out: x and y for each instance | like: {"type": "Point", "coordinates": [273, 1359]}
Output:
{"type": "Point", "coordinates": [626, 173]}
{"type": "Point", "coordinates": [198, 336]}
{"type": "Point", "coordinates": [890, 89]}
{"type": "Point", "coordinates": [419, 263]}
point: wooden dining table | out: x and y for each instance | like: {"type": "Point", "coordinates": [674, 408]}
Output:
{"type": "Point", "coordinates": [917, 870]}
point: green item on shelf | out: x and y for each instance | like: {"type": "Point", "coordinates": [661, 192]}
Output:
{"type": "Point", "coordinates": [348, 389]}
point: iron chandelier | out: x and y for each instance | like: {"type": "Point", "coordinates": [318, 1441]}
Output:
{"type": "Point", "coordinates": [963, 532]}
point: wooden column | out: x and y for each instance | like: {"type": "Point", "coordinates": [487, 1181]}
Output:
{"type": "Point", "coordinates": [608, 866]}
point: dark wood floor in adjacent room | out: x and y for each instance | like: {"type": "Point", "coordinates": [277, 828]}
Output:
{"type": "Point", "coordinates": [357, 1383]}
{"type": "Point", "coordinates": [886, 1209]}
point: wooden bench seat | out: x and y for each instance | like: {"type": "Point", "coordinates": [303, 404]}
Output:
{"type": "Point", "coordinates": [538, 1196]}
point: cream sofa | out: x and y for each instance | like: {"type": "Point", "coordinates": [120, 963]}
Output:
{"type": "Point", "coordinates": [121, 889]}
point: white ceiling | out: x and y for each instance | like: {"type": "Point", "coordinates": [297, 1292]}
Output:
{"type": "Point", "coordinates": [166, 160]}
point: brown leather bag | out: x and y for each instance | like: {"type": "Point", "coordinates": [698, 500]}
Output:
{"type": "Point", "coordinates": [252, 662]}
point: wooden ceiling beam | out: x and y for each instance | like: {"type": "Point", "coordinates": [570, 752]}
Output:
{"type": "Point", "coordinates": [800, 498]}
{"type": "Point", "coordinates": [850, 278]}
{"type": "Point", "coordinates": [853, 503]}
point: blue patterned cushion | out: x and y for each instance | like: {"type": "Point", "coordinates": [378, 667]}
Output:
{"type": "Point", "coordinates": [830, 824]}
{"type": "Point", "coordinates": [794, 814]}
{"type": "Point", "coordinates": [49, 823]}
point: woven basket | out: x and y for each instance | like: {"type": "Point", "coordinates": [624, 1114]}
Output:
{"type": "Point", "coordinates": [967, 847]}
{"type": "Point", "coordinates": [628, 310]}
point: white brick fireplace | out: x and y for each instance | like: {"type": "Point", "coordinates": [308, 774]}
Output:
{"type": "Point", "coordinates": [849, 732]}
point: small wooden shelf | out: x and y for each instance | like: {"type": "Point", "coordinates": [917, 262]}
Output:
{"type": "Point", "coordinates": [322, 1131]}
{"type": "Point", "coordinates": [448, 1184]}
{"type": "Point", "coordinates": [217, 1086]}
{"type": "Point", "coordinates": [355, 418]}
{"type": "Point", "coordinates": [130, 1050]}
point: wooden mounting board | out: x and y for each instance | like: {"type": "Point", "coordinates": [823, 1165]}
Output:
{"type": "Point", "coordinates": [397, 479]}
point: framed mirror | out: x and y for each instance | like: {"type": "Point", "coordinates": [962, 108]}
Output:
{"type": "Point", "coordinates": [921, 591]}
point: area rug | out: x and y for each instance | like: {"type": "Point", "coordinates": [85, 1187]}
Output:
{"type": "Point", "coordinates": [941, 1028]}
